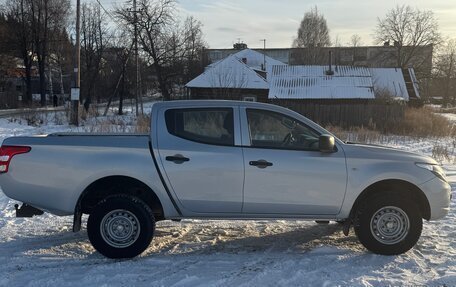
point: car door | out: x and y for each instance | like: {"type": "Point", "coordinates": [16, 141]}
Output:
{"type": "Point", "coordinates": [285, 173]}
{"type": "Point", "coordinates": [203, 166]}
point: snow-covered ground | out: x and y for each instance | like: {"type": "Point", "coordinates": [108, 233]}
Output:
{"type": "Point", "coordinates": [42, 251]}
{"type": "Point", "coordinates": [451, 117]}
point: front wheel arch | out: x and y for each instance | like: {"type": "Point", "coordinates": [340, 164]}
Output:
{"type": "Point", "coordinates": [403, 187]}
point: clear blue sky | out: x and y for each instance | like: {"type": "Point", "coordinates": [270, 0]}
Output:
{"type": "Point", "coordinates": [277, 20]}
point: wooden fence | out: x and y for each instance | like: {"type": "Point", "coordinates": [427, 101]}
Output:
{"type": "Point", "coordinates": [348, 113]}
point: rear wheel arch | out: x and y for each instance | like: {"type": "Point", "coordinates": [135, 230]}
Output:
{"type": "Point", "coordinates": [112, 185]}
{"type": "Point", "coordinates": [401, 186]}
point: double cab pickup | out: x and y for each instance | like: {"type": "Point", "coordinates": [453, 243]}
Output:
{"type": "Point", "coordinates": [223, 160]}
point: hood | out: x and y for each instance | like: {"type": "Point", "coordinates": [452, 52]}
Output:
{"type": "Point", "coordinates": [354, 150]}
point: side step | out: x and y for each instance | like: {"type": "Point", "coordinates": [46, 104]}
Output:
{"type": "Point", "coordinates": [27, 210]}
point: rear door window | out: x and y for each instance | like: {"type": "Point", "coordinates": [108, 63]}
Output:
{"type": "Point", "coordinates": [204, 125]}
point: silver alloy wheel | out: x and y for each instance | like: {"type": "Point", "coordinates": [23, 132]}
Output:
{"type": "Point", "coordinates": [390, 225]}
{"type": "Point", "coordinates": [120, 228]}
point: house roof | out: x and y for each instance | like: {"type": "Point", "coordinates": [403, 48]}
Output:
{"type": "Point", "coordinates": [346, 82]}
{"type": "Point", "coordinates": [236, 71]}
{"type": "Point", "coordinates": [312, 82]}
{"type": "Point", "coordinates": [390, 80]}
{"type": "Point", "coordinates": [414, 84]}
{"type": "Point", "coordinates": [229, 73]}
{"type": "Point", "coordinates": [255, 59]}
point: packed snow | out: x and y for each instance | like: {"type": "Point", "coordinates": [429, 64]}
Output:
{"type": "Point", "coordinates": [42, 251]}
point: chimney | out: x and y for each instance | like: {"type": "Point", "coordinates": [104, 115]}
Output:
{"type": "Point", "coordinates": [330, 72]}
{"type": "Point", "coordinates": [244, 60]}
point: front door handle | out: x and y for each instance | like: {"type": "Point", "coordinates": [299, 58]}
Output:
{"type": "Point", "coordinates": [177, 158]}
{"type": "Point", "coordinates": [260, 163]}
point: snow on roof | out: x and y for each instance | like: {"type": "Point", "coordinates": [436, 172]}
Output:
{"type": "Point", "coordinates": [312, 82]}
{"type": "Point", "coordinates": [236, 71]}
{"type": "Point", "coordinates": [230, 72]}
{"type": "Point", "coordinates": [414, 82]}
{"type": "Point", "coordinates": [256, 59]}
{"type": "Point", "coordinates": [390, 80]}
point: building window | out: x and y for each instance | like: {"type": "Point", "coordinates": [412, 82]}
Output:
{"type": "Point", "coordinates": [249, 98]}
{"type": "Point", "coordinates": [206, 125]}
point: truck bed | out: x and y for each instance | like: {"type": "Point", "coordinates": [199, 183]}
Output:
{"type": "Point", "coordinates": [60, 166]}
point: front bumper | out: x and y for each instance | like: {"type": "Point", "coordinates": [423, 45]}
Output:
{"type": "Point", "coordinates": [438, 193]}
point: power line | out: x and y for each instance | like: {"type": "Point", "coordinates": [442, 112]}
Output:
{"type": "Point", "coordinates": [106, 11]}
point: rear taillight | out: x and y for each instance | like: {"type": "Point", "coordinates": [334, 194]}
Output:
{"type": "Point", "coordinates": [6, 154]}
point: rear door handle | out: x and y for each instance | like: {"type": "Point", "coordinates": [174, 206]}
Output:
{"type": "Point", "coordinates": [260, 163]}
{"type": "Point", "coordinates": [177, 158]}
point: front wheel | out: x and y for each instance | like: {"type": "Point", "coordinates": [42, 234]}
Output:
{"type": "Point", "coordinates": [388, 224]}
{"type": "Point", "coordinates": [121, 226]}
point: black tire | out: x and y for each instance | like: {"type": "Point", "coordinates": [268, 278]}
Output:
{"type": "Point", "coordinates": [385, 236]}
{"type": "Point", "coordinates": [128, 214]}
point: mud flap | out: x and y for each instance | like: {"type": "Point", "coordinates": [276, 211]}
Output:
{"type": "Point", "coordinates": [27, 210]}
{"type": "Point", "coordinates": [347, 224]}
{"type": "Point", "coordinates": [77, 218]}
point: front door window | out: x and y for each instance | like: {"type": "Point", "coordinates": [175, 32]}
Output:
{"type": "Point", "coordinates": [274, 130]}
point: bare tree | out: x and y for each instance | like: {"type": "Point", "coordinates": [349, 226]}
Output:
{"type": "Point", "coordinates": [93, 37]}
{"type": "Point", "coordinates": [47, 17]}
{"type": "Point", "coordinates": [183, 57]}
{"type": "Point", "coordinates": [153, 19]}
{"type": "Point", "coordinates": [409, 29]}
{"type": "Point", "coordinates": [445, 72]}
{"type": "Point", "coordinates": [118, 68]}
{"type": "Point", "coordinates": [20, 36]}
{"type": "Point", "coordinates": [7, 64]}
{"type": "Point", "coordinates": [33, 24]}
{"type": "Point", "coordinates": [194, 45]}
{"type": "Point", "coordinates": [170, 46]}
{"type": "Point", "coordinates": [313, 34]}
{"type": "Point", "coordinates": [355, 43]}
{"type": "Point", "coordinates": [61, 57]}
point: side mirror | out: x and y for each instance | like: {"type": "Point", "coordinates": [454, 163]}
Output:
{"type": "Point", "coordinates": [326, 143]}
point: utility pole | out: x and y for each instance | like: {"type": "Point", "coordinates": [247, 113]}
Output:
{"type": "Point", "coordinates": [77, 70]}
{"type": "Point", "coordinates": [264, 53]}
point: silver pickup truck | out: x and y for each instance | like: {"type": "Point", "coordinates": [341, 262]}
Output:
{"type": "Point", "coordinates": [223, 160]}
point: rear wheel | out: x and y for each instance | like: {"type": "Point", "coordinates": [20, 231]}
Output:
{"type": "Point", "coordinates": [388, 224]}
{"type": "Point", "coordinates": [121, 226]}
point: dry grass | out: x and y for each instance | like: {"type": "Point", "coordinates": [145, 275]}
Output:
{"type": "Point", "coordinates": [357, 134]}
{"type": "Point", "coordinates": [107, 125]}
{"type": "Point", "coordinates": [422, 122]}
{"type": "Point", "coordinates": [93, 112]}
{"type": "Point", "coordinates": [417, 124]}
{"type": "Point", "coordinates": [115, 124]}
{"type": "Point", "coordinates": [142, 124]}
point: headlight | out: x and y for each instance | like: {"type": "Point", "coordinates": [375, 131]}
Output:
{"type": "Point", "coordinates": [435, 169]}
